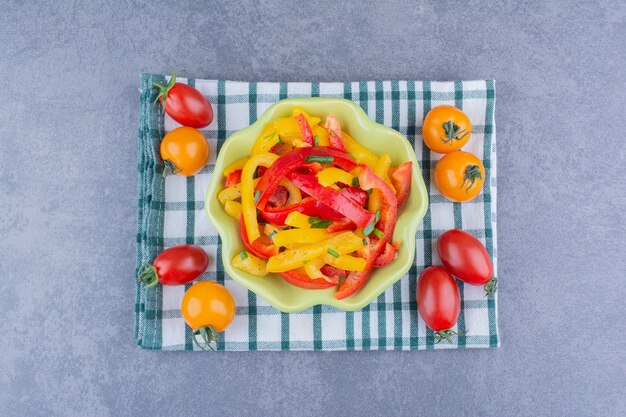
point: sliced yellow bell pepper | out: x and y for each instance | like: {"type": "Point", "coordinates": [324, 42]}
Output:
{"type": "Point", "coordinates": [235, 166]}
{"type": "Point", "coordinates": [266, 140]}
{"type": "Point", "coordinates": [233, 192]}
{"type": "Point", "coordinates": [322, 135]}
{"type": "Point", "coordinates": [347, 262]}
{"type": "Point", "coordinates": [299, 220]}
{"type": "Point", "coordinates": [300, 236]}
{"type": "Point", "coordinates": [249, 263]}
{"type": "Point", "coordinates": [269, 228]}
{"type": "Point", "coordinates": [233, 209]}
{"type": "Point", "coordinates": [248, 204]}
{"type": "Point", "coordinates": [359, 152]}
{"type": "Point", "coordinates": [229, 193]}
{"type": "Point", "coordinates": [313, 269]}
{"type": "Point", "coordinates": [295, 196]}
{"type": "Point", "coordinates": [288, 128]}
{"type": "Point", "coordinates": [382, 169]}
{"type": "Point", "coordinates": [343, 243]}
{"type": "Point", "coordinates": [330, 176]}
{"type": "Point", "coordinates": [311, 119]}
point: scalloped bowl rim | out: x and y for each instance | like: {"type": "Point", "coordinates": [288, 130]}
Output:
{"type": "Point", "coordinates": [418, 199]}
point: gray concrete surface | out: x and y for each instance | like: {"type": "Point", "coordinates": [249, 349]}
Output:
{"type": "Point", "coordinates": [68, 122]}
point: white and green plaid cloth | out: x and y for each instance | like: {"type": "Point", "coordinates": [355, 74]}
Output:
{"type": "Point", "coordinates": [171, 212]}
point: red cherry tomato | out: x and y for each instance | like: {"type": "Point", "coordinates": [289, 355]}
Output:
{"type": "Point", "coordinates": [185, 104]}
{"type": "Point", "coordinates": [438, 301]}
{"type": "Point", "coordinates": [177, 265]}
{"type": "Point", "coordinates": [466, 258]}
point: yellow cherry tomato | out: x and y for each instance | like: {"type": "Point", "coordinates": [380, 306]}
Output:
{"type": "Point", "coordinates": [208, 308]}
{"type": "Point", "coordinates": [185, 151]}
{"type": "Point", "coordinates": [459, 176]}
{"type": "Point", "coordinates": [446, 129]}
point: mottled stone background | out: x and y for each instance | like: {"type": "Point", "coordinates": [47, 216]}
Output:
{"type": "Point", "coordinates": [69, 74]}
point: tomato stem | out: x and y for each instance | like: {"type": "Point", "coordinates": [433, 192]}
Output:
{"type": "Point", "coordinates": [170, 168]}
{"type": "Point", "coordinates": [164, 89]}
{"type": "Point", "coordinates": [446, 334]}
{"type": "Point", "coordinates": [453, 131]}
{"type": "Point", "coordinates": [471, 174]}
{"type": "Point", "coordinates": [209, 335]}
{"type": "Point", "coordinates": [491, 286]}
{"type": "Point", "coordinates": [148, 275]}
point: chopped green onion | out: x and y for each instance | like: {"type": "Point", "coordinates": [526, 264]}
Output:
{"type": "Point", "coordinates": [333, 253]}
{"type": "Point", "coordinates": [333, 134]}
{"type": "Point", "coordinates": [369, 229]}
{"type": "Point", "coordinates": [271, 236]}
{"type": "Point", "coordinates": [377, 216]}
{"type": "Point", "coordinates": [313, 220]}
{"type": "Point", "coordinates": [379, 233]}
{"type": "Point", "coordinates": [364, 242]}
{"type": "Point", "coordinates": [355, 182]}
{"type": "Point", "coordinates": [324, 159]}
{"type": "Point", "coordinates": [316, 141]}
{"type": "Point", "coordinates": [243, 255]}
{"type": "Point", "coordinates": [257, 195]}
{"type": "Point", "coordinates": [323, 224]}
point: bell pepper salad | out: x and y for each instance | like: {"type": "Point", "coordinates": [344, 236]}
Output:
{"type": "Point", "coordinates": [314, 206]}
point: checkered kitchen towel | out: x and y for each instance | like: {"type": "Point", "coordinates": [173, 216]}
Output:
{"type": "Point", "coordinates": [171, 212]}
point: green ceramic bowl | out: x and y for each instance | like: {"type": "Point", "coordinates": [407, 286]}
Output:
{"type": "Point", "coordinates": [377, 138]}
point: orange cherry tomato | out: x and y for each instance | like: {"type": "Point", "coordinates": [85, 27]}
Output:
{"type": "Point", "coordinates": [446, 129]}
{"type": "Point", "coordinates": [208, 308]}
{"type": "Point", "coordinates": [185, 151]}
{"type": "Point", "coordinates": [459, 176]}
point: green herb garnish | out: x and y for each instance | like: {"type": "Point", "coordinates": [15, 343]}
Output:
{"type": "Point", "coordinates": [257, 195]}
{"type": "Point", "coordinates": [243, 255]}
{"type": "Point", "coordinates": [377, 218]}
{"type": "Point", "coordinates": [316, 141]}
{"type": "Point", "coordinates": [368, 229]}
{"type": "Point", "coordinates": [324, 159]}
{"type": "Point", "coordinates": [321, 224]}
{"type": "Point", "coordinates": [333, 253]}
{"type": "Point", "coordinates": [355, 182]}
{"type": "Point", "coordinates": [379, 233]}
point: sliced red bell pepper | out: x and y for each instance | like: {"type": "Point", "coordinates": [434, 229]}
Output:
{"type": "Point", "coordinates": [314, 208]}
{"type": "Point", "coordinates": [294, 159]}
{"type": "Point", "coordinates": [387, 223]}
{"type": "Point", "coordinates": [333, 271]}
{"type": "Point", "coordinates": [310, 168]}
{"type": "Point", "coordinates": [281, 148]}
{"type": "Point", "coordinates": [309, 206]}
{"type": "Point", "coordinates": [356, 194]}
{"type": "Point", "coordinates": [233, 178]}
{"type": "Point", "coordinates": [341, 225]}
{"type": "Point", "coordinates": [307, 134]}
{"type": "Point", "coordinates": [401, 180]}
{"type": "Point", "coordinates": [334, 133]}
{"type": "Point", "coordinates": [300, 279]}
{"type": "Point", "coordinates": [261, 247]}
{"type": "Point", "coordinates": [387, 255]}
{"type": "Point", "coordinates": [279, 198]}
{"type": "Point", "coordinates": [333, 198]}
